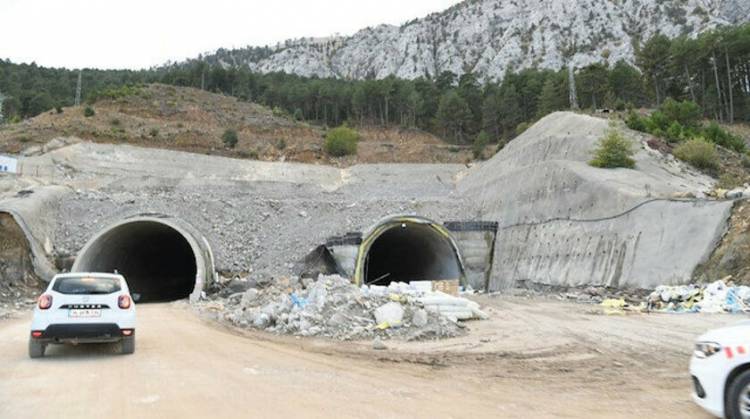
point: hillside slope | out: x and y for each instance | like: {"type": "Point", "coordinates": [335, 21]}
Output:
{"type": "Point", "coordinates": [491, 37]}
{"type": "Point", "coordinates": [187, 119]}
{"type": "Point", "coordinates": [568, 223]}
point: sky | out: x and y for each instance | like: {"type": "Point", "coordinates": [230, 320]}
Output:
{"type": "Point", "coordinates": [138, 34]}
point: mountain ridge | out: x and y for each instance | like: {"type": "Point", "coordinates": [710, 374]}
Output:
{"type": "Point", "coordinates": [490, 38]}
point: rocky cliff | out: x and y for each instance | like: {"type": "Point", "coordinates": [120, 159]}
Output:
{"type": "Point", "coordinates": [492, 37]}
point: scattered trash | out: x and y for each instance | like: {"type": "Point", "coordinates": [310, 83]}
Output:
{"type": "Point", "coordinates": [616, 306]}
{"type": "Point", "coordinates": [297, 301]}
{"type": "Point", "coordinates": [389, 315]}
{"type": "Point", "coordinates": [716, 297]}
{"type": "Point", "coordinates": [452, 307]}
{"type": "Point", "coordinates": [449, 287]}
{"type": "Point", "coordinates": [736, 193]}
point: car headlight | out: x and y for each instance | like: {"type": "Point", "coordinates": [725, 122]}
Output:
{"type": "Point", "coordinates": [706, 349]}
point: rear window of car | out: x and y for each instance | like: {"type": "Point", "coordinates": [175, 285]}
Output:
{"type": "Point", "coordinates": [86, 285]}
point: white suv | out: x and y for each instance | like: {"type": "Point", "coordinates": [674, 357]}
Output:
{"type": "Point", "coordinates": [721, 371]}
{"type": "Point", "coordinates": [84, 308]}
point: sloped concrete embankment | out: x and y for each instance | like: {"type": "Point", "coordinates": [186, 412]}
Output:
{"type": "Point", "coordinates": [563, 222]}
{"type": "Point", "coordinates": [32, 215]}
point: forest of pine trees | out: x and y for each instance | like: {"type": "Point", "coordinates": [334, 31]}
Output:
{"type": "Point", "coordinates": [712, 71]}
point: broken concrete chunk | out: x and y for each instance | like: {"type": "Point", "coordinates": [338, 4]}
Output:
{"type": "Point", "coordinates": [337, 320]}
{"type": "Point", "coordinates": [378, 344]}
{"type": "Point", "coordinates": [261, 321]}
{"type": "Point", "coordinates": [240, 285]}
{"type": "Point", "coordinates": [419, 318]}
{"type": "Point", "coordinates": [249, 297]}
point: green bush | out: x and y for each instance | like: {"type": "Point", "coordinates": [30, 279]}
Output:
{"type": "Point", "coordinates": [613, 150]}
{"type": "Point", "coordinates": [230, 138]}
{"type": "Point", "coordinates": [114, 93]}
{"type": "Point", "coordinates": [699, 153]}
{"type": "Point", "coordinates": [658, 121]}
{"type": "Point", "coordinates": [341, 141]}
{"type": "Point", "coordinates": [58, 109]}
{"type": "Point", "coordinates": [153, 132]}
{"type": "Point", "coordinates": [717, 135]}
{"type": "Point", "coordinates": [675, 132]}
{"type": "Point", "coordinates": [88, 112]}
{"type": "Point", "coordinates": [635, 121]}
{"type": "Point", "coordinates": [280, 113]}
{"type": "Point", "coordinates": [480, 143]}
{"type": "Point", "coordinates": [687, 113]}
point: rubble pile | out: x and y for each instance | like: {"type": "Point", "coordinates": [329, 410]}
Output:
{"type": "Point", "coordinates": [716, 297]}
{"type": "Point", "coordinates": [333, 307]}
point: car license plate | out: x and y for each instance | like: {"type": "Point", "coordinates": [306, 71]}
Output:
{"type": "Point", "coordinates": [84, 313]}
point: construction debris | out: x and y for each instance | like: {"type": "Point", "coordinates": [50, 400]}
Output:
{"type": "Point", "coordinates": [333, 307]}
{"type": "Point", "coordinates": [716, 297]}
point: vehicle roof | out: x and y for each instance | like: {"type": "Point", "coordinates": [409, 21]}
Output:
{"type": "Point", "coordinates": [84, 274]}
{"type": "Point", "coordinates": [724, 335]}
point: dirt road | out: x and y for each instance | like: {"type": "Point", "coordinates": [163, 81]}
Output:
{"type": "Point", "coordinates": [534, 359]}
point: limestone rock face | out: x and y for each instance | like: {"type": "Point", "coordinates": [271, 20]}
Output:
{"type": "Point", "coordinates": [490, 37]}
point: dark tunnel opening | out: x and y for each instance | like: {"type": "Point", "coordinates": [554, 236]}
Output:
{"type": "Point", "coordinates": [411, 252]}
{"type": "Point", "coordinates": [156, 260]}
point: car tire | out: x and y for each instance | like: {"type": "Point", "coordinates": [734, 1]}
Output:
{"type": "Point", "coordinates": [128, 345]}
{"type": "Point", "coordinates": [36, 349]}
{"type": "Point", "coordinates": [740, 385]}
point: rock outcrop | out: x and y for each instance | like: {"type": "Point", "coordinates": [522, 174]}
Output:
{"type": "Point", "coordinates": [491, 37]}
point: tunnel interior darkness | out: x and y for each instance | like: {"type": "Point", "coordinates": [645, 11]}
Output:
{"type": "Point", "coordinates": [156, 260]}
{"type": "Point", "coordinates": [411, 252]}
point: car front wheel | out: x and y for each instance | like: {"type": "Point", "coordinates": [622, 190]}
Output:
{"type": "Point", "coordinates": [36, 349]}
{"type": "Point", "coordinates": [738, 400]}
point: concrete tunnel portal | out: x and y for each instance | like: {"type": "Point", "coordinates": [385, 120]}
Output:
{"type": "Point", "coordinates": [404, 249]}
{"type": "Point", "coordinates": [162, 259]}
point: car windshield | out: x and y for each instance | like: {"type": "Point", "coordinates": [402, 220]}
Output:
{"type": "Point", "coordinates": [86, 285]}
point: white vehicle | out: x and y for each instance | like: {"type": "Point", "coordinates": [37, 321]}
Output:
{"type": "Point", "coordinates": [84, 308]}
{"type": "Point", "coordinates": [720, 367]}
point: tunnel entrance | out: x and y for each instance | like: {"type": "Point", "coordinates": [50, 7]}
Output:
{"type": "Point", "coordinates": [158, 261]}
{"type": "Point", "coordinates": [405, 250]}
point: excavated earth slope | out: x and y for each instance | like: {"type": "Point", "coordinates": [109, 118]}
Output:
{"type": "Point", "coordinates": [561, 221]}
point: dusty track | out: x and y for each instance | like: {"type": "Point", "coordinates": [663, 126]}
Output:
{"type": "Point", "coordinates": [534, 359]}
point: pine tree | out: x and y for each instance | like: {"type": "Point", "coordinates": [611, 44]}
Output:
{"type": "Point", "coordinates": [553, 96]}
{"type": "Point", "coordinates": [454, 116]}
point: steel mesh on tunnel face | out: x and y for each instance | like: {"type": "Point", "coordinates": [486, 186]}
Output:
{"type": "Point", "coordinates": [155, 259]}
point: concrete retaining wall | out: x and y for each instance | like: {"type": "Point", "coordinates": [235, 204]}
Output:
{"type": "Point", "coordinates": [660, 242]}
